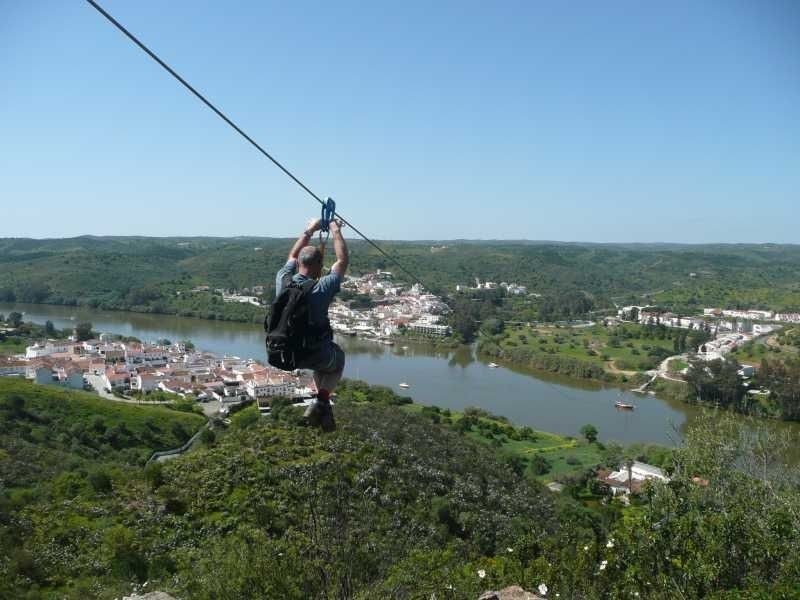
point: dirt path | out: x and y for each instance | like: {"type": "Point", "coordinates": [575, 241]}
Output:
{"type": "Point", "coordinates": [611, 367]}
{"type": "Point", "coordinates": [663, 368]}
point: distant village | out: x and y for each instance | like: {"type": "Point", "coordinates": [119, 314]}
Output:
{"type": "Point", "coordinates": [124, 368]}
{"type": "Point", "coordinates": [513, 289]}
{"type": "Point", "coordinates": [393, 308]}
{"type": "Point", "coordinates": [730, 328]}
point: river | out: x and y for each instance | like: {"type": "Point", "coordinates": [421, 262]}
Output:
{"type": "Point", "coordinates": [453, 379]}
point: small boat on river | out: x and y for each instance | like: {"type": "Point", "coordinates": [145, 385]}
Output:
{"type": "Point", "coordinates": [405, 386]}
{"type": "Point", "coordinates": [493, 365]}
{"type": "Point", "coordinates": [620, 405]}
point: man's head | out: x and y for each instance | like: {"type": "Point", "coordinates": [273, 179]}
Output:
{"type": "Point", "coordinates": [310, 262]}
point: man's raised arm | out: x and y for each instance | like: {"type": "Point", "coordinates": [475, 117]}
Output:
{"type": "Point", "coordinates": [302, 241]}
{"type": "Point", "coordinates": [340, 248]}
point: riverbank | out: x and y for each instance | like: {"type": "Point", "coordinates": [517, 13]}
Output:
{"type": "Point", "coordinates": [552, 363]}
{"type": "Point", "coordinates": [229, 311]}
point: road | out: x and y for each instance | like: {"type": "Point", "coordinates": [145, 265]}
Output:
{"type": "Point", "coordinates": [210, 409]}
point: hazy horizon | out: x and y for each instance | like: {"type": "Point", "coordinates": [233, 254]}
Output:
{"type": "Point", "coordinates": [409, 240]}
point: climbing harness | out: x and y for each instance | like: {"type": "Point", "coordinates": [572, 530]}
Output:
{"type": "Point", "coordinates": [328, 213]}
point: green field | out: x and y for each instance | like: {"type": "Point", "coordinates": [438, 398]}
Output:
{"type": "Point", "coordinates": [677, 365]}
{"type": "Point", "coordinates": [621, 346]}
{"type": "Point", "coordinates": [564, 455]}
{"type": "Point", "coordinates": [619, 351]}
{"type": "Point", "coordinates": [12, 345]}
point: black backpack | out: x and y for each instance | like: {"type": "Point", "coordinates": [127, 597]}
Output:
{"type": "Point", "coordinates": [290, 335]}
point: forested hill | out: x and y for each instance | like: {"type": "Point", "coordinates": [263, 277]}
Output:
{"type": "Point", "coordinates": [146, 273]}
{"type": "Point", "coordinates": [394, 504]}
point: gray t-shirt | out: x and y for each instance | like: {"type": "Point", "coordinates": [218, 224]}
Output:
{"type": "Point", "coordinates": [321, 296]}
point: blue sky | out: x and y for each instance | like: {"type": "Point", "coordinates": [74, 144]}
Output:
{"type": "Point", "coordinates": [621, 121]}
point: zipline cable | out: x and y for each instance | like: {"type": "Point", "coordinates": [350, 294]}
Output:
{"type": "Point", "coordinates": [255, 144]}
{"type": "Point", "coordinates": [238, 129]}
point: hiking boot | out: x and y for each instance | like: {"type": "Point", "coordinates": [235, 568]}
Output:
{"type": "Point", "coordinates": [320, 414]}
{"type": "Point", "coordinates": [313, 413]}
{"type": "Point", "coordinates": [326, 420]}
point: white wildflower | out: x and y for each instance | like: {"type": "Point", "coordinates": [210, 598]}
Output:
{"type": "Point", "coordinates": [481, 573]}
{"type": "Point", "coordinates": [510, 549]}
{"type": "Point", "coordinates": [543, 589]}
{"type": "Point", "coordinates": [603, 565]}
{"type": "Point", "coordinates": [610, 543]}
{"type": "Point", "coordinates": [586, 548]}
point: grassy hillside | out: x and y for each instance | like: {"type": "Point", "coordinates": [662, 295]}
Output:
{"type": "Point", "coordinates": [43, 428]}
{"type": "Point", "coordinates": [391, 505]}
{"type": "Point", "coordinates": [340, 511]}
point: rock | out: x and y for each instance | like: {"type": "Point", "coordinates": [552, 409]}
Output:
{"type": "Point", "coordinates": [513, 592]}
{"type": "Point", "coordinates": [149, 596]}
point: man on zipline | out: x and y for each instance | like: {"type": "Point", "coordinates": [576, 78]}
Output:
{"type": "Point", "coordinates": [325, 358]}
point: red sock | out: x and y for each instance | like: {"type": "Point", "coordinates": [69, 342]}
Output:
{"type": "Point", "coordinates": [323, 395]}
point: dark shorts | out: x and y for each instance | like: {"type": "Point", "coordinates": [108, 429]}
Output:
{"type": "Point", "coordinates": [328, 359]}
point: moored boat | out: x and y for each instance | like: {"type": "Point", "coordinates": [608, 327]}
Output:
{"type": "Point", "coordinates": [620, 405]}
{"type": "Point", "coordinates": [403, 385]}
{"type": "Point", "coordinates": [493, 365]}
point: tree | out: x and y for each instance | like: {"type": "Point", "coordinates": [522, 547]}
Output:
{"type": "Point", "coordinates": [629, 467]}
{"type": "Point", "coordinates": [16, 404]}
{"type": "Point", "coordinates": [100, 482]}
{"type": "Point", "coordinates": [464, 325]}
{"type": "Point", "coordinates": [208, 437]}
{"type": "Point", "coordinates": [14, 319]}
{"type": "Point", "coordinates": [83, 331]}
{"type": "Point", "coordinates": [120, 550]}
{"type": "Point", "coordinates": [540, 465]}
{"type": "Point", "coordinates": [589, 431]}
{"type": "Point", "coordinates": [33, 292]}
{"type": "Point", "coordinates": [493, 326]}
{"type": "Point", "coordinates": [154, 474]}
{"type": "Point", "coordinates": [49, 328]}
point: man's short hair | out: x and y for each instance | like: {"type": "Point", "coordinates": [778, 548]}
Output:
{"type": "Point", "coordinates": [310, 256]}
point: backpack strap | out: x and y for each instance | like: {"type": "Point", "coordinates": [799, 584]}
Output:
{"type": "Point", "coordinates": [286, 280]}
{"type": "Point", "coordinates": [308, 285]}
